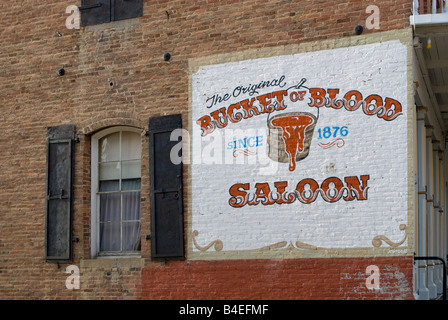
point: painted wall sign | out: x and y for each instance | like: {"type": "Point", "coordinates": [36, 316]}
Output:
{"type": "Point", "coordinates": [301, 151]}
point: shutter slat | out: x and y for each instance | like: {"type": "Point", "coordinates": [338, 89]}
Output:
{"type": "Point", "coordinates": [167, 227]}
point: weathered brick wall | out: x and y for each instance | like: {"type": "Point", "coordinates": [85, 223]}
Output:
{"type": "Point", "coordinates": [115, 75]}
{"type": "Point", "coordinates": [289, 279]}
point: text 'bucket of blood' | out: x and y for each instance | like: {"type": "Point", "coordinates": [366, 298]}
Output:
{"type": "Point", "coordinates": [291, 132]}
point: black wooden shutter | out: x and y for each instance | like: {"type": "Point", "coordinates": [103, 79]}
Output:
{"type": "Point", "coordinates": [59, 193]}
{"type": "Point", "coordinates": [126, 9]}
{"type": "Point", "coordinates": [167, 228]}
{"type": "Point", "coordinates": [102, 11]}
{"type": "Point", "coordinates": [95, 12]}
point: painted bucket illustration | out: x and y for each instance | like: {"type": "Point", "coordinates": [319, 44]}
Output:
{"type": "Point", "coordinates": [290, 133]}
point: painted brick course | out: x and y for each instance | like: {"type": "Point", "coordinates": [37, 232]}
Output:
{"type": "Point", "coordinates": [289, 279]}
{"type": "Point", "coordinates": [115, 75]}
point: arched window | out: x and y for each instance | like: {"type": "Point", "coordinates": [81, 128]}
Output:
{"type": "Point", "coordinates": [115, 194]}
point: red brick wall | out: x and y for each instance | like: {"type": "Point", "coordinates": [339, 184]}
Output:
{"type": "Point", "coordinates": [290, 279]}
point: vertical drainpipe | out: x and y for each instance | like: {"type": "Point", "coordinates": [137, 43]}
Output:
{"type": "Point", "coordinates": [444, 207]}
{"type": "Point", "coordinates": [436, 222]}
{"type": "Point", "coordinates": [422, 290]}
{"type": "Point", "coordinates": [430, 212]}
{"type": "Point", "coordinates": [441, 243]}
{"type": "Point", "coordinates": [442, 253]}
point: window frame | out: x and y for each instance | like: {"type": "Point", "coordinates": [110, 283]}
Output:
{"type": "Point", "coordinates": [94, 195]}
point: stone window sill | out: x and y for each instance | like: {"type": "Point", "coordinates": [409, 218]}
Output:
{"type": "Point", "coordinates": [113, 262]}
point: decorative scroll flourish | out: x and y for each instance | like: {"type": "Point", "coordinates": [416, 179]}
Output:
{"type": "Point", "coordinates": [284, 245]}
{"type": "Point", "coordinates": [245, 152]}
{"type": "Point", "coordinates": [303, 245]}
{"type": "Point", "coordinates": [217, 244]}
{"type": "Point", "coordinates": [338, 142]}
{"type": "Point", "coordinates": [378, 240]}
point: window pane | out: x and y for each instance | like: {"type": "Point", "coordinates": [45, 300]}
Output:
{"type": "Point", "coordinates": [110, 236]}
{"type": "Point", "coordinates": [109, 185]}
{"type": "Point", "coordinates": [131, 236]}
{"type": "Point", "coordinates": [110, 207]}
{"type": "Point", "coordinates": [109, 171]}
{"type": "Point", "coordinates": [130, 146]}
{"type": "Point", "coordinates": [131, 169]}
{"type": "Point", "coordinates": [109, 147]}
{"type": "Point", "coordinates": [130, 184]}
{"type": "Point", "coordinates": [131, 206]}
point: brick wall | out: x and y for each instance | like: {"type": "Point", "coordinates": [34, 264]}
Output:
{"type": "Point", "coordinates": [289, 279]}
{"type": "Point", "coordinates": [115, 75]}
